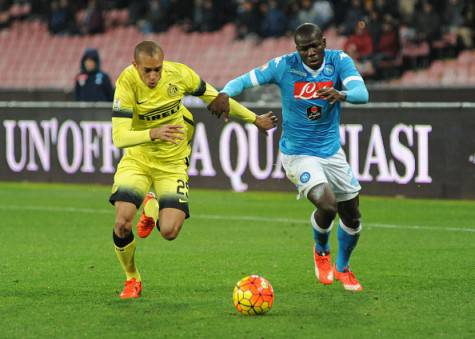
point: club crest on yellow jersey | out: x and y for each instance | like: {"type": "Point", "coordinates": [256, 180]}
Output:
{"type": "Point", "coordinates": [172, 90]}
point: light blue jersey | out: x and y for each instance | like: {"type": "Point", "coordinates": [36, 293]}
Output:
{"type": "Point", "coordinates": [310, 126]}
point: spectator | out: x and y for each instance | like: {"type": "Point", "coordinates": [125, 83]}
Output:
{"type": "Point", "coordinates": [387, 7]}
{"type": "Point", "coordinates": [137, 10]}
{"type": "Point", "coordinates": [181, 13]}
{"type": "Point", "coordinates": [325, 13]}
{"type": "Point", "coordinates": [5, 19]}
{"type": "Point", "coordinates": [274, 23]}
{"type": "Point", "coordinates": [374, 25]}
{"type": "Point", "coordinates": [204, 16]}
{"type": "Point", "coordinates": [156, 18]}
{"type": "Point", "coordinates": [428, 23]}
{"type": "Point", "coordinates": [354, 14]}
{"type": "Point", "coordinates": [292, 10]}
{"type": "Point", "coordinates": [361, 42]}
{"type": "Point", "coordinates": [307, 13]}
{"type": "Point", "coordinates": [247, 20]}
{"type": "Point", "coordinates": [91, 83]}
{"type": "Point", "coordinates": [406, 10]}
{"type": "Point", "coordinates": [93, 20]}
{"type": "Point", "coordinates": [387, 47]}
{"type": "Point", "coordinates": [455, 22]}
{"type": "Point", "coordinates": [225, 12]}
{"type": "Point", "coordinates": [61, 18]}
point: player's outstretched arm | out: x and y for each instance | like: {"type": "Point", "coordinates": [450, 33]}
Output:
{"type": "Point", "coordinates": [123, 136]}
{"type": "Point", "coordinates": [264, 122]}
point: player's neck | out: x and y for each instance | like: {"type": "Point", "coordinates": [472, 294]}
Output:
{"type": "Point", "coordinates": [314, 72]}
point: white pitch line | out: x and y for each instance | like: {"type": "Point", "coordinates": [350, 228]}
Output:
{"type": "Point", "coordinates": [235, 217]}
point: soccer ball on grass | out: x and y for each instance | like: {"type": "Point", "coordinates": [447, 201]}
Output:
{"type": "Point", "coordinates": [253, 295]}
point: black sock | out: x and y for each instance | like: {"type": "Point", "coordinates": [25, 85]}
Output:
{"type": "Point", "coordinates": [122, 242]}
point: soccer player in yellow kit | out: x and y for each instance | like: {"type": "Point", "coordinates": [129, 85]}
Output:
{"type": "Point", "coordinates": [151, 123]}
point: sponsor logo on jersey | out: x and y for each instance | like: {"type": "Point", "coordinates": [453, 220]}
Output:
{"type": "Point", "coordinates": [162, 112]}
{"type": "Point", "coordinates": [308, 90]}
{"type": "Point", "coordinates": [314, 112]}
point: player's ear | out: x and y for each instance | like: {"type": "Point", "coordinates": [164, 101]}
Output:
{"type": "Point", "coordinates": [134, 63]}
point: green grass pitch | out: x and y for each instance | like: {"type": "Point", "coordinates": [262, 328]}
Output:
{"type": "Point", "coordinates": [60, 278]}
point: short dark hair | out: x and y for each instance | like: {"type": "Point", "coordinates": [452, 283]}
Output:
{"type": "Point", "coordinates": [308, 29]}
{"type": "Point", "coordinates": [150, 48]}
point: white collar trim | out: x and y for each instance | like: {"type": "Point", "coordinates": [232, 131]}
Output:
{"type": "Point", "coordinates": [313, 72]}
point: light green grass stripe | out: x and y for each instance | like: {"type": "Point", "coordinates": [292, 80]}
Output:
{"type": "Point", "coordinates": [237, 218]}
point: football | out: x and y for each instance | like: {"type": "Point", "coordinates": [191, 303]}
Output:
{"type": "Point", "coordinates": [253, 295]}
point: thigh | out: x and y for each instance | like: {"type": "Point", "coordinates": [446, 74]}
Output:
{"type": "Point", "coordinates": [132, 181]}
{"type": "Point", "coordinates": [304, 172]}
{"type": "Point", "coordinates": [170, 183]}
{"type": "Point", "coordinates": [340, 177]}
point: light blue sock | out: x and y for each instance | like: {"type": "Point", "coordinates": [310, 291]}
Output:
{"type": "Point", "coordinates": [347, 240]}
{"type": "Point", "coordinates": [321, 236]}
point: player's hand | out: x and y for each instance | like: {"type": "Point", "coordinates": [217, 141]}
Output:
{"type": "Point", "coordinates": [170, 133]}
{"type": "Point", "coordinates": [331, 94]}
{"type": "Point", "coordinates": [220, 105]}
{"type": "Point", "coordinates": [266, 121]}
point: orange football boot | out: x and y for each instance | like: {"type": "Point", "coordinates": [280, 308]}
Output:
{"type": "Point", "coordinates": [323, 267]}
{"type": "Point", "coordinates": [132, 289]}
{"type": "Point", "coordinates": [146, 222]}
{"type": "Point", "coordinates": [348, 279]}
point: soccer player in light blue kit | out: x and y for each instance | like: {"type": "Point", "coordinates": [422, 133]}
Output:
{"type": "Point", "coordinates": [313, 81]}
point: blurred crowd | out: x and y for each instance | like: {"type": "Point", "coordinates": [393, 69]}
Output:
{"type": "Point", "coordinates": [374, 29]}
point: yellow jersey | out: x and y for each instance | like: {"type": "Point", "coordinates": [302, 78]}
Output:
{"type": "Point", "coordinates": [151, 107]}
{"type": "Point", "coordinates": [138, 108]}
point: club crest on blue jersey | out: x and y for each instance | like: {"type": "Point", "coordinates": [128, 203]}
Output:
{"type": "Point", "coordinates": [328, 70]}
{"type": "Point", "coordinates": [304, 177]}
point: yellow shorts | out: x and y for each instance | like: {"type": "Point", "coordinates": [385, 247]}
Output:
{"type": "Point", "coordinates": [136, 174]}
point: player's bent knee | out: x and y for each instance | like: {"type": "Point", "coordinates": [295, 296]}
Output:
{"type": "Point", "coordinates": [122, 227]}
{"type": "Point", "coordinates": [169, 235]}
{"type": "Point", "coordinates": [170, 231]}
{"type": "Point", "coordinates": [329, 208]}
{"type": "Point", "coordinates": [351, 222]}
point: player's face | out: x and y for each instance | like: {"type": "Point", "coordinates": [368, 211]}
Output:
{"type": "Point", "coordinates": [311, 50]}
{"type": "Point", "coordinates": [150, 68]}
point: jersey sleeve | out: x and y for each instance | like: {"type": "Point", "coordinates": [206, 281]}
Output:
{"type": "Point", "coordinates": [236, 110]}
{"type": "Point", "coordinates": [266, 74]}
{"type": "Point", "coordinates": [122, 133]}
{"type": "Point", "coordinates": [124, 136]}
{"type": "Point", "coordinates": [123, 106]}
{"type": "Point", "coordinates": [355, 88]}
{"type": "Point", "coordinates": [348, 71]}
{"type": "Point", "coordinates": [194, 84]}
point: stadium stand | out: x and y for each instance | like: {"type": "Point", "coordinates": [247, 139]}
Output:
{"type": "Point", "coordinates": [34, 56]}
